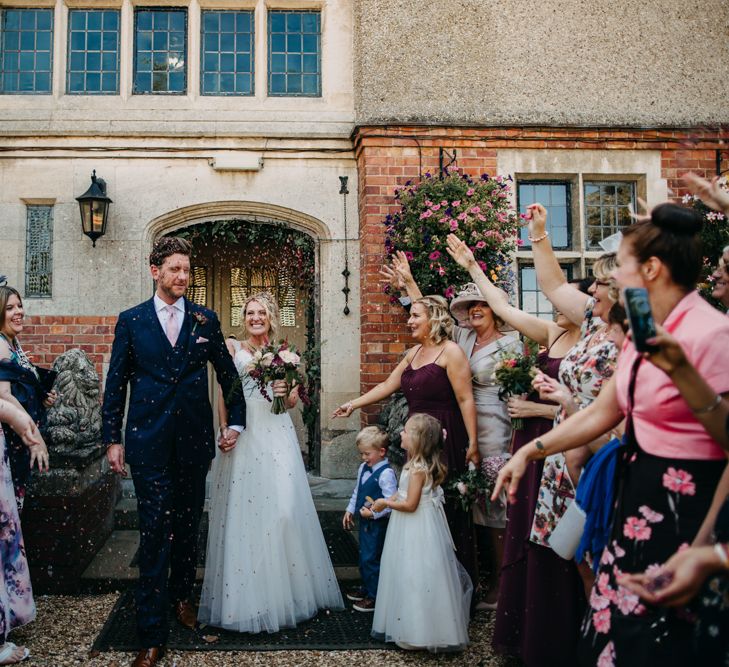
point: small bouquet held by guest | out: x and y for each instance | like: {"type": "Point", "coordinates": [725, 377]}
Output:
{"type": "Point", "coordinates": [475, 485]}
{"type": "Point", "coordinates": [278, 361]}
{"type": "Point", "coordinates": [515, 372]}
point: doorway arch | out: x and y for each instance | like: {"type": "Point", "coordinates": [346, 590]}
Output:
{"type": "Point", "coordinates": [243, 247]}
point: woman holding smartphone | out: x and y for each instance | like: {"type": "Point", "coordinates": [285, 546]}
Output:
{"type": "Point", "coordinates": [672, 465]}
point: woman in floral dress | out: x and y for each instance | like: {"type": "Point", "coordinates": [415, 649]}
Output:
{"type": "Point", "coordinates": [17, 606]}
{"type": "Point", "coordinates": [672, 466]}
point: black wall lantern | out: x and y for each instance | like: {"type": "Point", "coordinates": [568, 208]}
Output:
{"type": "Point", "coordinates": [94, 205]}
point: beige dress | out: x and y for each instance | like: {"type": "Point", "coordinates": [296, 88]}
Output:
{"type": "Point", "coordinates": [494, 424]}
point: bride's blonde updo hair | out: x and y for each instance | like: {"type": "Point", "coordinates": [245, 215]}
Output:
{"type": "Point", "coordinates": [270, 306]}
{"type": "Point", "coordinates": [441, 322]}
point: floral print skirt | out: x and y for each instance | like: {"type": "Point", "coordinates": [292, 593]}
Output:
{"type": "Point", "coordinates": [661, 508]}
{"type": "Point", "coordinates": [16, 596]}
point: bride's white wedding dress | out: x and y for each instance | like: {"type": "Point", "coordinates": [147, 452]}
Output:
{"type": "Point", "coordinates": [267, 564]}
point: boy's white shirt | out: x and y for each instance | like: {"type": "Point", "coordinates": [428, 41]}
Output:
{"type": "Point", "coordinates": [387, 482]}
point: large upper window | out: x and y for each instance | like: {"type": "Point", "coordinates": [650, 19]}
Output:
{"type": "Point", "coordinates": [294, 53]}
{"type": "Point", "coordinates": [160, 51]}
{"type": "Point", "coordinates": [93, 52]}
{"type": "Point", "coordinates": [555, 197]}
{"type": "Point", "coordinates": [607, 209]}
{"type": "Point", "coordinates": [227, 53]}
{"type": "Point", "coordinates": [27, 47]}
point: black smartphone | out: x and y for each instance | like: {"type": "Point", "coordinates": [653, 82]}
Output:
{"type": "Point", "coordinates": [640, 317]}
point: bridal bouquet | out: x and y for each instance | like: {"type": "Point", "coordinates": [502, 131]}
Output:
{"type": "Point", "coordinates": [515, 372]}
{"type": "Point", "coordinates": [278, 361]}
{"type": "Point", "coordinates": [475, 485]}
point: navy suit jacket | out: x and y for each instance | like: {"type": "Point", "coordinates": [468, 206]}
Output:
{"type": "Point", "coordinates": [169, 411]}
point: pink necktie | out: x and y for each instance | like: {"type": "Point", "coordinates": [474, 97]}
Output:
{"type": "Point", "coordinates": [171, 329]}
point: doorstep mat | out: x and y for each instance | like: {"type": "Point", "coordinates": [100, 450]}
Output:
{"type": "Point", "coordinates": [327, 631]}
{"type": "Point", "coordinates": [342, 546]}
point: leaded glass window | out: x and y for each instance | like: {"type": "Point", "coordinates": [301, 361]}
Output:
{"type": "Point", "coordinates": [531, 298]}
{"type": "Point", "coordinates": [27, 49]}
{"type": "Point", "coordinates": [294, 53]}
{"type": "Point", "coordinates": [39, 251]}
{"type": "Point", "coordinates": [247, 281]}
{"type": "Point", "coordinates": [197, 289]}
{"type": "Point", "coordinates": [555, 197]}
{"type": "Point", "coordinates": [93, 52]}
{"type": "Point", "coordinates": [160, 51]}
{"type": "Point", "coordinates": [227, 53]}
{"type": "Point", "coordinates": [607, 210]}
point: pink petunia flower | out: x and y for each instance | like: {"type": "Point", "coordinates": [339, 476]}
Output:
{"type": "Point", "coordinates": [454, 225]}
{"type": "Point", "coordinates": [519, 242]}
{"type": "Point", "coordinates": [637, 529]}
{"type": "Point", "coordinates": [409, 256]}
{"type": "Point", "coordinates": [679, 481]}
{"type": "Point", "coordinates": [428, 203]}
{"type": "Point", "coordinates": [470, 192]}
{"type": "Point", "coordinates": [476, 209]}
{"type": "Point", "coordinates": [457, 202]}
{"type": "Point", "coordinates": [435, 208]}
{"type": "Point", "coordinates": [450, 292]}
{"type": "Point", "coordinates": [426, 214]}
{"type": "Point", "coordinates": [434, 255]}
{"type": "Point", "coordinates": [481, 244]}
{"type": "Point", "coordinates": [441, 271]}
{"type": "Point", "coordinates": [462, 216]}
{"type": "Point", "coordinates": [482, 217]}
{"type": "Point", "coordinates": [444, 203]}
{"type": "Point", "coordinates": [482, 264]}
{"type": "Point", "coordinates": [601, 621]}
{"type": "Point", "coordinates": [650, 515]}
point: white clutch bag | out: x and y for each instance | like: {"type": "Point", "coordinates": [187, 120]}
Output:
{"type": "Point", "coordinates": [566, 537]}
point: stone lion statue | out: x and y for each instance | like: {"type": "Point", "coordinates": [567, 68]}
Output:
{"type": "Point", "coordinates": [75, 419]}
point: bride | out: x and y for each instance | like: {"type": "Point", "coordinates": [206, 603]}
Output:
{"type": "Point", "coordinates": [267, 564]}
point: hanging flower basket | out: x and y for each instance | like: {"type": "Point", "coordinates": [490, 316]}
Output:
{"type": "Point", "coordinates": [476, 210]}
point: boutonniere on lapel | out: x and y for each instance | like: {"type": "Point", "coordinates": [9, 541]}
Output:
{"type": "Point", "coordinates": [199, 320]}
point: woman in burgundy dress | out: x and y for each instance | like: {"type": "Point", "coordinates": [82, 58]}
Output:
{"type": "Point", "coordinates": [436, 379]}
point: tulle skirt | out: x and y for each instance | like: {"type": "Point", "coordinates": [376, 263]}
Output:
{"type": "Point", "coordinates": [267, 563]}
{"type": "Point", "coordinates": [424, 593]}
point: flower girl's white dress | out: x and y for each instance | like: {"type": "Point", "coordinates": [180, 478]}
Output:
{"type": "Point", "coordinates": [424, 594]}
{"type": "Point", "coordinates": [267, 564]}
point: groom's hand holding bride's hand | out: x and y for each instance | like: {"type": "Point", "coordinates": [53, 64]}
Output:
{"type": "Point", "coordinates": [228, 438]}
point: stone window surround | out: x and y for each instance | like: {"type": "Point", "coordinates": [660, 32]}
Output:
{"type": "Point", "coordinates": [194, 19]}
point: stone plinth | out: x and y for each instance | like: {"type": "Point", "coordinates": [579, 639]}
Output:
{"type": "Point", "coordinates": [68, 515]}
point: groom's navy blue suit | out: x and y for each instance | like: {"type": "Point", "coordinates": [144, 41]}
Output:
{"type": "Point", "coordinates": [169, 443]}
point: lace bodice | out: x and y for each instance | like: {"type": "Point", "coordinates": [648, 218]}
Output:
{"type": "Point", "coordinates": [251, 391]}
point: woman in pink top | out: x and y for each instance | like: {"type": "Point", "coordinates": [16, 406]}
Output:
{"type": "Point", "coordinates": [672, 466]}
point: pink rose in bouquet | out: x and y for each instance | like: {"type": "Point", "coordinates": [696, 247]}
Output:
{"type": "Point", "coordinates": [278, 361]}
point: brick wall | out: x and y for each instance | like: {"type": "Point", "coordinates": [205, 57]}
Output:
{"type": "Point", "coordinates": [391, 155]}
{"type": "Point", "coordinates": [46, 337]}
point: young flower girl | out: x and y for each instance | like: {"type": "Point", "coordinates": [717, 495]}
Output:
{"type": "Point", "coordinates": [424, 593]}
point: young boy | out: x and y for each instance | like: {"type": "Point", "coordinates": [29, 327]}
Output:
{"type": "Point", "coordinates": [375, 479]}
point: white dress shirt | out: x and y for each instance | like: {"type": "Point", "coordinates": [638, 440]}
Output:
{"type": "Point", "coordinates": [387, 482]}
{"type": "Point", "coordinates": [160, 308]}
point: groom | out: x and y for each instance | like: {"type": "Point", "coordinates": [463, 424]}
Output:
{"type": "Point", "coordinates": [161, 350]}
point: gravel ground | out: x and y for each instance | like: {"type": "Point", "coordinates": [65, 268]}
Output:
{"type": "Point", "coordinates": [67, 626]}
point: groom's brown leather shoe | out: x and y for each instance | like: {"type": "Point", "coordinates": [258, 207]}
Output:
{"type": "Point", "coordinates": [149, 657]}
{"type": "Point", "coordinates": [186, 614]}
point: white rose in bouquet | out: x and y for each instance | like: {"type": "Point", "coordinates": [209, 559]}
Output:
{"type": "Point", "coordinates": [266, 359]}
{"type": "Point", "coordinates": [289, 357]}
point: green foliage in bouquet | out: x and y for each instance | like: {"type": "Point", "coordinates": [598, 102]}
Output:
{"type": "Point", "coordinates": [475, 210]}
